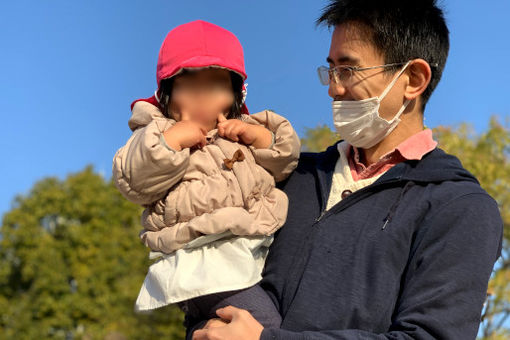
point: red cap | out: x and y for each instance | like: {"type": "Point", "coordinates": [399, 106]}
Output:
{"type": "Point", "coordinates": [198, 44]}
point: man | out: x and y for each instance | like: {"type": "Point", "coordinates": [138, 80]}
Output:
{"type": "Point", "coordinates": [387, 236]}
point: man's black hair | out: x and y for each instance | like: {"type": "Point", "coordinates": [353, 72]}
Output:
{"type": "Point", "coordinates": [235, 111]}
{"type": "Point", "coordinates": [400, 30]}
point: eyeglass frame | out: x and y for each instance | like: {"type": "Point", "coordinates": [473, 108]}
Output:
{"type": "Point", "coordinates": [352, 69]}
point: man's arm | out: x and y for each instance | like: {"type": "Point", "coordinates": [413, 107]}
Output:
{"type": "Point", "coordinates": [444, 286]}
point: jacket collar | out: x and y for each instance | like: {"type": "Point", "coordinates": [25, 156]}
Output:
{"type": "Point", "coordinates": [402, 172]}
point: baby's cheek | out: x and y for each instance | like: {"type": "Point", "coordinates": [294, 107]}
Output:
{"type": "Point", "coordinates": [205, 108]}
{"type": "Point", "coordinates": [223, 103]}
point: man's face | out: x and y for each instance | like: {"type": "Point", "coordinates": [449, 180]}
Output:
{"type": "Point", "coordinates": [349, 47]}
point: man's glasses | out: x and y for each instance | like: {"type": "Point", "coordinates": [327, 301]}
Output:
{"type": "Point", "coordinates": [344, 74]}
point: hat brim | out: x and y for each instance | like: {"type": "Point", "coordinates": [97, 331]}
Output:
{"type": "Point", "coordinates": [199, 62]}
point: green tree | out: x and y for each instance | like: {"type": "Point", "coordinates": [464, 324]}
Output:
{"type": "Point", "coordinates": [72, 265]}
{"type": "Point", "coordinates": [318, 139]}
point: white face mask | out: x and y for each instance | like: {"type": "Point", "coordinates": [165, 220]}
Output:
{"type": "Point", "coordinates": [359, 122]}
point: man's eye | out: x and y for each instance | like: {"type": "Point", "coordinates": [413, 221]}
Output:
{"type": "Point", "coordinates": [345, 72]}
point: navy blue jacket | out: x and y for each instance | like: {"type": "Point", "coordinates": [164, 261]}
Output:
{"type": "Point", "coordinates": [408, 257]}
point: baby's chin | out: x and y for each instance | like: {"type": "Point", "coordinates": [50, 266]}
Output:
{"type": "Point", "coordinates": [209, 123]}
{"type": "Point", "coordinates": [208, 120]}
{"type": "Point", "coordinates": [211, 126]}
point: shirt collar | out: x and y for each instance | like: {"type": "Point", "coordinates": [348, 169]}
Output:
{"type": "Point", "coordinates": [413, 148]}
{"type": "Point", "coordinates": [417, 146]}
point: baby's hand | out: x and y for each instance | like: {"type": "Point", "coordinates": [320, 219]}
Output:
{"type": "Point", "coordinates": [185, 134]}
{"type": "Point", "coordinates": [237, 130]}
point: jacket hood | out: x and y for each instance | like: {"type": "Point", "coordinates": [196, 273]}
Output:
{"type": "Point", "coordinates": [436, 166]}
{"type": "Point", "coordinates": [143, 113]}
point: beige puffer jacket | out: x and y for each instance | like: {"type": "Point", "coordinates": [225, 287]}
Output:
{"type": "Point", "coordinates": [190, 194]}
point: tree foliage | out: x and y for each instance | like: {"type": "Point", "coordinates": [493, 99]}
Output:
{"type": "Point", "coordinates": [318, 139]}
{"type": "Point", "coordinates": [72, 265]}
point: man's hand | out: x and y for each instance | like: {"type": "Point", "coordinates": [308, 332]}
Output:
{"type": "Point", "coordinates": [241, 325]}
{"type": "Point", "coordinates": [249, 134]}
{"type": "Point", "coordinates": [185, 134]}
{"type": "Point", "coordinates": [216, 322]}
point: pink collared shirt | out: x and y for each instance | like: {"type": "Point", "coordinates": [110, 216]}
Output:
{"type": "Point", "coordinates": [413, 148]}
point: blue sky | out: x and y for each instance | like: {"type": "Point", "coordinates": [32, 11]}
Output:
{"type": "Point", "coordinates": [70, 69]}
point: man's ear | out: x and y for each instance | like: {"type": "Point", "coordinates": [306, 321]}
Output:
{"type": "Point", "coordinates": [419, 73]}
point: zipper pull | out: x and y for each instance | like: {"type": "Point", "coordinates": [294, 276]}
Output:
{"type": "Point", "coordinates": [386, 223]}
{"type": "Point", "coordinates": [320, 217]}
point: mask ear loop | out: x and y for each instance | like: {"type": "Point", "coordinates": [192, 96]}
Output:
{"type": "Point", "coordinates": [394, 81]}
{"type": "Point", "coordinates": [404, 106]}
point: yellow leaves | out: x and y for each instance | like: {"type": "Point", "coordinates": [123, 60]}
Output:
{"type": "Point", "coordinates": [499, 335]}
{"type": "Point", "coordinates": [318, 139]}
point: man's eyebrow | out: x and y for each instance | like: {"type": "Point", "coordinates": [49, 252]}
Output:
{"type": "Point", "coordinates": [344, 60]}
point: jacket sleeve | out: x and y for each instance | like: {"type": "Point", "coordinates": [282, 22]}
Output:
{"type": "Point", "coordinates": [282, 157]}
{"type": "Point", "coordinates": [146, 168]}
{"type": "Point", "coordinates": [445, 283]}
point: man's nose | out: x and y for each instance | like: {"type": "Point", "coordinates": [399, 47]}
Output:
{"type": "Point", "coordinates": [336, 90]}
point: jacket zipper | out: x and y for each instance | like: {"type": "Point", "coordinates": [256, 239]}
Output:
{"type": "Point", "coordinates": [320, 216]}
{"type": "Point", "coordinates": [362, 191]}
{"type": "Point", "coordinates": [337, 207]}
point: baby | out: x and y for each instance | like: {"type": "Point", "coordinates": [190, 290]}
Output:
{"type": "Point", "coordinates": [205, 171]}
